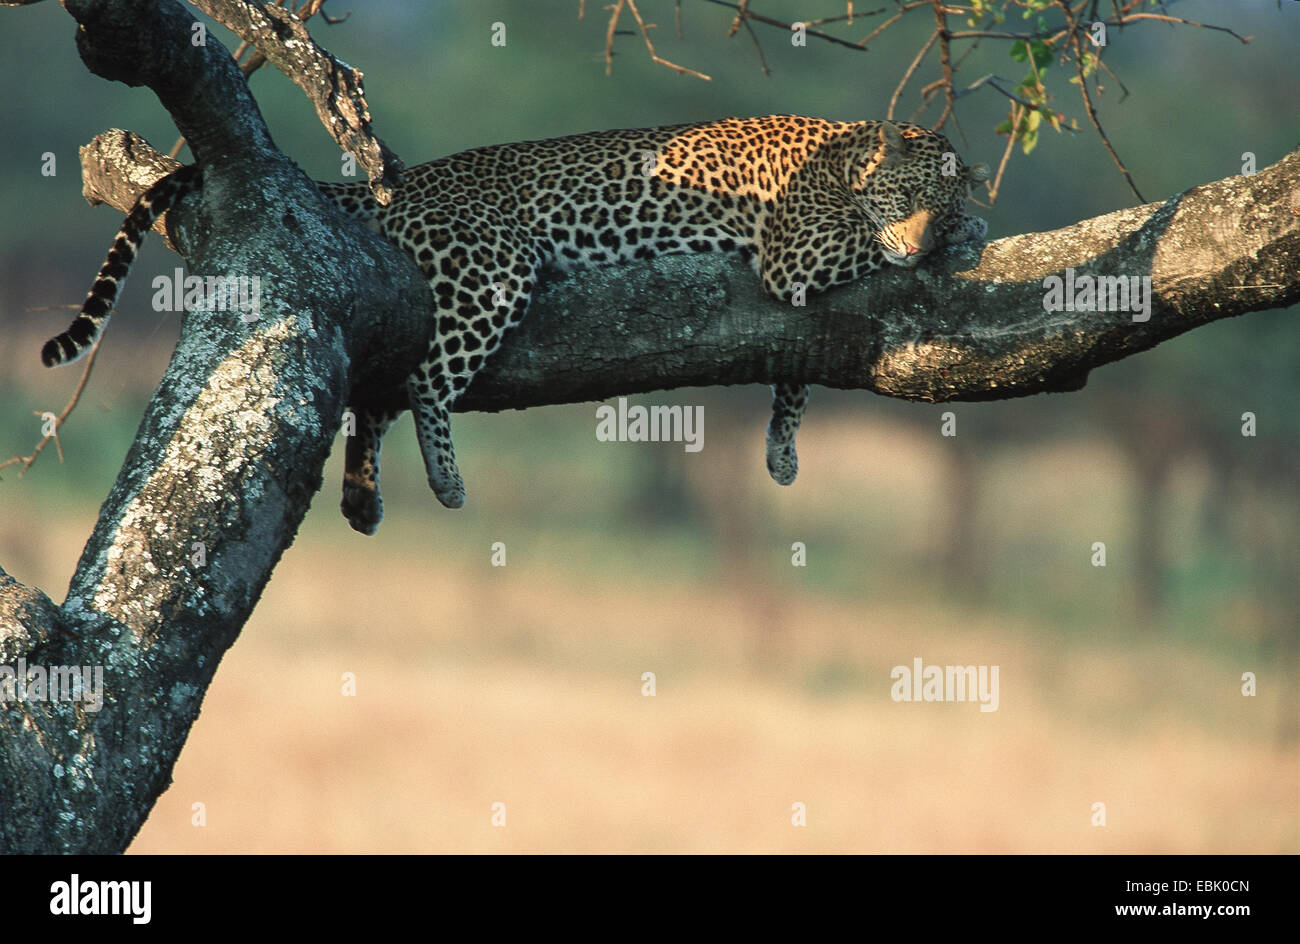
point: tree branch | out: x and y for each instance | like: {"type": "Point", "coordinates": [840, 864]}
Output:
{"type": "Point", "coordinates": [225, 462]}
{"type": "Point", "coordinates": [333, 87]}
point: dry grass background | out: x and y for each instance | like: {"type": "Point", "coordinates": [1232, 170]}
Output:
{"type": "Point", "coordinates": [522, 685]}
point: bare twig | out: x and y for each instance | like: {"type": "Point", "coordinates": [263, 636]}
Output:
{"type": "Point", "coordinates": [650, 47]}
{"type": "Point", "coordinates": [741, 9]}
{"type": "Point", "coordinates": [614, 13]}
{"type": "Point", "coordinates": [994, 34]}
{"type": "Point", "coordinates": [1092, 115]}
{"type": "Point", "coordinates": [993, 81]}
{"type": "Point", "coordinates": [53, 434]}
{"type": "Point", "coordinates": [945, 61]}
{"type": "Point", "coordinates": [846, 18]}
{"type": "Point", "coordinates": [751, 15]}
{"type": "Point", "coordinates": [1174, 19]}
{"type": "Point", "coordinates": [907, 76]}
{"type": "Point", "coordinates": [996, 183]}
{"type": "Point", "coordinates": [762, 61]}
{"type": "Point", "coordinates": [743, 5]}
{"type": "Point", "coordinates": [880, 29]}
{"type": "Point", "coordinates": [1118, 81]}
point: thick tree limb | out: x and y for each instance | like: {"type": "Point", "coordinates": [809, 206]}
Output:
{"type": "Point", "coordinates": [231, 448]}
{"type": "Point", "coordinates": [225, 463]}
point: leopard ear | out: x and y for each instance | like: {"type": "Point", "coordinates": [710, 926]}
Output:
{"type": "Point", "coordinates": [978, 174]}
{"type": "Point", "coordinates": [892, 139]}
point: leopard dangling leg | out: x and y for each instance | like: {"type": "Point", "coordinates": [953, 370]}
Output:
{"type": "Point", "coordinates": [362, 504]}
{"type": "Point", "coordinates": [463, 344]}
{"type": "Point", "coordinates": [789, 401]}
{"type": "Point", "coordinates": [431, 401]}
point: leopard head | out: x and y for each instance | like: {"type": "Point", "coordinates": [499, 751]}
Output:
{"type": "Point", "coordinates": [913, 187]}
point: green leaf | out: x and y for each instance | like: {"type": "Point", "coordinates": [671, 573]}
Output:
{"type": "Point", "coordinates": [1042, 53]}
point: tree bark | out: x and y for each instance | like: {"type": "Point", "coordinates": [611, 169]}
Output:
{"type": "Point", "coordinates": [231, 448]}
{"type": "Point", "coordinates": [225, 462]}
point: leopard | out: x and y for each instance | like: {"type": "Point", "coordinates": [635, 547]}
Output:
{"type": "Point", "coordinates": [809, 203]}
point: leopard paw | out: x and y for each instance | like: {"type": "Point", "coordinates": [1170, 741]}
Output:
{"type": "Point", "coordinates": [448, 487]}
{"type": "Point", "coordinates": [782, 461]}
{"type": "Point", "coordinates": [362, 506]}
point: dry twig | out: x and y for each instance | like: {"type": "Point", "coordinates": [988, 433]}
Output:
{"type": "Point", "coordinates": [53, 434]}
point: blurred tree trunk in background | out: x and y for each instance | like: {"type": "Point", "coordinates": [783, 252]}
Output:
{"type": "Point", "coordinates": [739, 527]}
{"type": "Point", "coordinates": [963, 561]}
